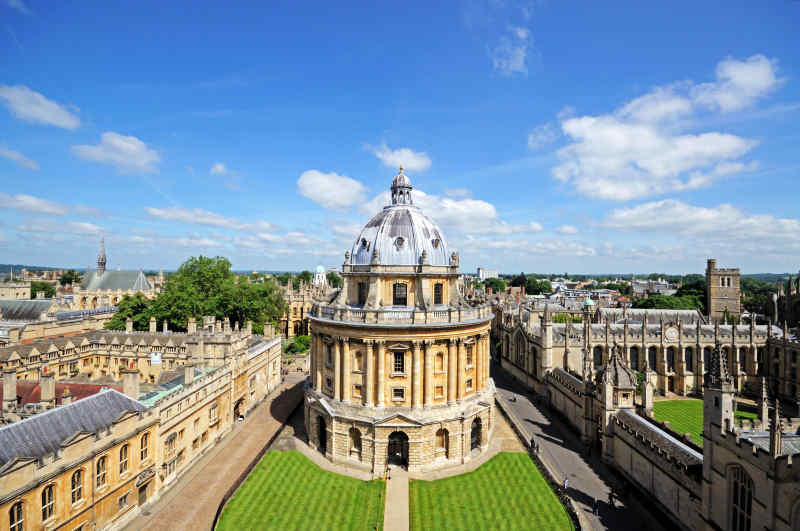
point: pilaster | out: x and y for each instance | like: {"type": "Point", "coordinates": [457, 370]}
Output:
{"type": "Point", "coordinates": [370, 375]}
{"type": "Point", "coordinates": [381, 373]}
{"type": "Point", "coordinates": [416, 376]}
{"type": "Point", "coordinates": [451, 372]}
{"type": "Point", "coordinates": [347, 370]}
{"type": "Point", "coordinates": [428, 373]}
{"type": "Point", "coordinates": [337, 369]}
{"type": "Point", "coordinates": [462, 368]}
{"type": "Point", "coordinates": [479, 363]}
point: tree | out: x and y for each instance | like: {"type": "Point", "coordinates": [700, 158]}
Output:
{"type": "Point", "coordinates": [496, 284]}
{"type": "Point", "coordinates": [136, 307]}
{"type": "Point", "coordinates": [49, 291]}
{"type": "Point", "coordinates": [519, 280]}
{"type": "Point", "coordinates": [537, 287]}
{"type": "Point", "coordinates": [283, 279]}
{"type": "Point", "coordinates": [70, 276]}
{"type": "Point", "coordinates": [305, 277]}
{"type": "Point", "coordinates": [670, 302]}
{"type": "Point", "coordinates": [334, 280]}
{"type": "Point", "coordinates": [298, 344]}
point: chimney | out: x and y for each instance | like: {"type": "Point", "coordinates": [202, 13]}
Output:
{"type": "Point", "coordinates": [9, 389]}
{"type": "Point", "coordinates": [188, 374]}
{"type": "Point", "coordinates": [165, 326]}
{"type": "Point", "coordinates": [249, 327]}
{"type": "Point", "coordinates": [47, 383]}
{"type": "Point", "coordinates": [226, 325]}
{"type": "Point", "coordinates": [129, 326]}
{"type": "Point", "coordinates": [130, 382]}
{"type": "Point", "coordinates": [153, 327]}
{"type": "Point", "coordinates": [66, 398]}
{"type": "Point", "coordinates": [218, 327]}
{"type": "Point", "coordinates": [191, 328]}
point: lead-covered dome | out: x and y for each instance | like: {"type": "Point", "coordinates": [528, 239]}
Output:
{"type": "Point", "coordinates": [400, 233]}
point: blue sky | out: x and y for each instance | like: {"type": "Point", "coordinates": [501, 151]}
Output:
{"type": "Point", "coordinates": [541, 136]}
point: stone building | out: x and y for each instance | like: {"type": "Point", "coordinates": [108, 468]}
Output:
{"type": "Point", "coordinates": [399, 360]}
{"type": "Point", "coordinates": [15, 290]}
{"type": "Point", "coordinates": [104, 288]}
{"type": "Point", "coordinates": [787, 301]}
{"type": "Point", "coordinates": [723, 292]}
{"type": "Point", "coordinates": [295, 321]}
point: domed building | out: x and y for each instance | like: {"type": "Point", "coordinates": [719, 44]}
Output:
{"type": "Point", "coordinates": [399, 360]}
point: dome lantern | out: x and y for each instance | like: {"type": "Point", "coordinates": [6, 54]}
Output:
{"type": "Point", "coordinates": [401, 189]}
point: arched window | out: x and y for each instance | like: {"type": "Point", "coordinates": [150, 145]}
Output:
{"type": "Point", "coordinates": [355, 443]}
{"type": "Point", "coordinates": [706, 357]}
{"type": "Point", "coordinates": [101, 472]}
{"type": "Point", "coordinates": [534, 362]}
{"type": "Point", "coordinates": [48, 502]}
{"type": "Point", "coordinates": [598, 356]}
{"type": "Point", "coordinates": [437, 293]}
{"type": "Point", "coordinates": [742, 358]}
{"type": "Point", "coordinates": [688, 358]}
{"type": "Point", "coordinates": [741, 498]}
{"type": "Point", "coordinates": [77, 486]}
{"type": "Point", "coordinates": [442, 443]}
{"type": "Point", "coordinates": [635, 358]}
{"type": "Point", "coordinates": [651, 358]}
{"type": "Point", "coordinates": [399, 294]}
{"type": "Point", "coordinates": [16, 522]}
{"type": "Point", "coordinates": [123, 459]}
{"type": "Point", "coordinates": [144, 446]}
{"type": "Point", "coordinates": [671, 359]}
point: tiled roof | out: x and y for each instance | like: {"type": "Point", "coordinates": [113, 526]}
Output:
{"type": "Point", "coordinates": [790, 443]}
{"type": "Point", "coordinates": [44, 433]}
{"type": "Point", "coordinates": [24, 310]}
{"type": "Point", "coordinates": [30, 392]}
{"type": "Point", "coordinates": [115, 280]}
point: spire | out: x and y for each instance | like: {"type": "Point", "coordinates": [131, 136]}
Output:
{"type": "Point", "coordinates": [101, 257]}
{"type": "Point", "coordinates": [718, 376]}
{"type": "Point", "coordinates": [776, 432]}
{"type": "Point", "coordinates": [401, 189]}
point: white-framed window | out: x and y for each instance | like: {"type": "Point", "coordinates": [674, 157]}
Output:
{"type": "Point", "coordinates": [101, 471]}
{"type": "Point", "coordinates": [144, 446]}
{"type": "Point", "coordinates": [398, 393]}
{"type": "Point", "coordinates": [77, 486]}
{"type": "Point", "coordinates": [123, 459]}
{"type": "Point", "coordinates": [399, 362]}
{"type": "Point", "coordinates": [15, 518]}
{"type": "Point", "coordinates": [48, 502]}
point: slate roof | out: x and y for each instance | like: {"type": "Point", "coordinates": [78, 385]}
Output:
{"type": "Point", "coordinates": [43, 434]}
{"type": "Point", "coordinates": [115, 280]}
{"type": "Point", "coordinates": [790, 443]}
{"type": "Point", "coordinates": [679, 450]}
{"type": "Point", "coordinates": [24, 310]}
{"type": "Point", "coordinates": [636, 315]}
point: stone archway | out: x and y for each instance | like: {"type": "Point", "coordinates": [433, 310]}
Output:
{"type": "Point", "coordinates": [397, 449]}
{"type": "Point", "coordinates": [475, 436]}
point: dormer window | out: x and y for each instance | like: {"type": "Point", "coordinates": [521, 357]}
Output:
{"type": "Point", "coordinates": [435, 242]}
{"type": "Point", "coordinates": [399, 242]}
{"type": "Point", "coordinates": [365, 243]}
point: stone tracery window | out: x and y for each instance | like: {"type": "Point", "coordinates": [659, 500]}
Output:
{"type": "Point", "coordinates": [399, 294]}
{"type": "Point", "coordinates": [741, 498]}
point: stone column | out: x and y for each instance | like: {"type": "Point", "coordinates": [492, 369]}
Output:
{"type": "Point", "coordinates": [381, 373]}
{"type": "Point", "coordinates": [370, 375]}
{"type": "Point", "coordinates": [347, 369]}
{"type": "Point", "coordinates": [320, 361]}
{"type": "Point", "coordinates": [428, 373]}
{"type": "Point", "coordinates": [479, 363]}
{"type": "Point", "coordinates": [416, 377]}
{"type": "Point", "coordinates": [337, 369]}
{"type": "Point", "coordinates": [487, 358]}
{"type": "Point", "coordinates": [451, 372]}
{"type": "Point", "coordinates": [312, 360]}
{"type": "Point", "coordinates": [462, 367]}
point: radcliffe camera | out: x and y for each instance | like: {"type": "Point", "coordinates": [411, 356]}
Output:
{"type": "Point", "coordinates": [480, 265]}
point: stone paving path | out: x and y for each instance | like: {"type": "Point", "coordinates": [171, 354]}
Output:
{"type": "Point", "coordinates": [563, 453]}
{"type": "Point", "coordinates": [395, 513]}
{"type": "Point", "coordinates": [192, 502]}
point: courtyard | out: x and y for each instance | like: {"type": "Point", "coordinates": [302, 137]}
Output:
{"type": "Point", "coordinates": [287, 491]}
{"type": "Point", "coordinates": [686, 416]}
{"type": "Point", "coordinates": [507, 492]}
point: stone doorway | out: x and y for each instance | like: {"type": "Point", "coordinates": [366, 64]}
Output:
{"type": "Point", "coordinates": [142, 495]}
{"type": "Point", "coordinates": [475, 435]}
{"type": "Point", "coordinates": [322, 435]}
{"type": "Point", "coordinates": [397, 450]}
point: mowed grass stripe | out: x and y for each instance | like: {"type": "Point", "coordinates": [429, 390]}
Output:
{"type": "Point", "coordinates": [686, 416]}
{"type": "Point", "coordinates": [287, 491]}
{"type": "Point", "coordinates": [507, 492]}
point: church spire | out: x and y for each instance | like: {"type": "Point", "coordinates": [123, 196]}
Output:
{"type": "Point", "coordinates": [101, 257]}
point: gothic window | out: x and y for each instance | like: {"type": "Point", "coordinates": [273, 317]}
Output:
{"type": "Point", "coordinates": [534, 362]}
{"type": "Point", "coordinates": [399, 291]}
{"type": "Point", "coordinates": [688, 358]}
{"type": "Point", "coordinates": [437, 293]}
{"type": "Point", "coordinates": [520, 353]}
{"type": "Point", "coordinates": [742, 357]}
{"type": "Point", "coordinates": [16, 522]}
{"type": "Point", "coordinates": [741, 498]}
{"type": "Point", "coordinates": [671, 359]}
{"type": "Point", "coordinates": [77, 486]}
{"type": "Point", "coordinates": [123, 459]}
{"type": "Point", "coordinates": [635, 358]}
{"type": "Point", "coordinates": [651, 358]}
{"type": "Point", "coordinates": [101, 471]}
{"type": "Point", "coordinates": [399, 362]}
{"type": "Point", "coordinates": [706, 357]}
{"type": "Point", "coordinates": [598, 356]}
{"type": "Point", "coordinates": [48, 502]}
{"type": "Point", "coordinates": [362, 293]}
{"type": "Point", "coordinates": [144, 446]}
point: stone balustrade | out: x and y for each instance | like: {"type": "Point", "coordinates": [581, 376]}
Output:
{"type": "Point", "coordinates": [401, 316]}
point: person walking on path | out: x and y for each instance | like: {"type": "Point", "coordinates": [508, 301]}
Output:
{"type": "Point", "coordinates": [611, 499]}
{"type": "Point", "coordinates": [566, 484]}
{"type": "Point", "coordinates": [596, 506]}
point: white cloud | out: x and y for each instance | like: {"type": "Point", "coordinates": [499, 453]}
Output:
{"type": "Point", "coordinates": [567, 229]}
{"type": "Point", "coordinates": [31, 106]}
{"type": "Point", "coordinates": [218, 169]}
{"type": "Point", "coordinates": [192, 242]}
{"type": "Point", "coordinates": [458, 193]}
{"type": "Point", "coordinates": [29, 203]}
{"type": "Point", "coordinates": [20, 6]}
{"type": "Point", "coordinates": [330, 190]}
{"type": "Point", "coordinates": [70, 227]}
{"type": "Point", "coordinates": [510, 54]}
{"type": "Point", "coordinates": [542, 136]}
{"type": "Point", "coordinates": [525, 247]}
{"type": "Point", "coordinates": [127, 153]}
{"type": "Point", "coordinates": [406, 157]}
{"type": "Point", "coordinates": [641, 149]}
{"type": "Point", "coordinates": [199, 216]}
{"type": "Point", "coordinates": [18, 157]}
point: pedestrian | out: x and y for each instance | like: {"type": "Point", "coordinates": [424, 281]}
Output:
{"type": "Point", "coordinates": [566, 484]}
{"type": "Point", "coordinates": [596, 506]}
{"type": "Point", "coordinates": [611, 499]}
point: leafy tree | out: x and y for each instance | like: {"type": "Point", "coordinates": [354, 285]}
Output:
{"type": "Point", "coordinates": [283, 279]}
{"type": "Point", "coordinates": [670, 302]}
{"type": "Point", "coordinates": [519, 280]}
{"type": "Point", "coordinates": [334, 280]}
{"type": "Point", "coordinates": [136, 307]}
{"type": "Point", "coordinates": [305, 277]}
{"type": "Point", "coordinates": [36, 286]}
{"type": "Point", "coordinates": [536, 287]}
{"type": "Point", "coordinates": [498, 285]}
{"type": "Point", "coordinates": [70, 276]}
{"type": "Point", "coordinates": [298, 344]}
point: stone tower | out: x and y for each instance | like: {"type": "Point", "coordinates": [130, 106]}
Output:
{"type": "Point", "coordinates": [717, 395]}
{"type": "Point", "coordinates": [723, 291]}
{"type": "Point", "coordinates": [101, 257]}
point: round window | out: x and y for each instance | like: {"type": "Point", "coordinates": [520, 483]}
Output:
{"type": "Point", "coordinates": [399, 241]}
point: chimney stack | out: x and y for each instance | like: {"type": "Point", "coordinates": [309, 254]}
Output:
{"type": "Point", "coordinates": [249, 327]}
{"type": "Point", "coordinates": [226, 325]}
{"type": "Point", "coordinates": [188, 374]}
{"type": "Point", "coordinates": [66, 398]}
{"type": "Point", "coordinates": [153, 327]}
{"type": "Point", "coordinates": [130, 382]}
{"type": "Point", "coordinates": [47, 383]}
{"type": "Point", "coordinates": [129, 326]}
{"type": "Point", "coordinates": [9, 389]}
{"type": "Point", "coordinates": [191, 328]}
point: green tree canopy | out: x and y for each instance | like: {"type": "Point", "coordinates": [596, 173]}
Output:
{"type": "Point", "coordinates": [670, 302]}
{"type": "Point", "coordinates": [334, 280]}
{"type": "Point", "coordinates": [519, 280]}
{"type": "Point", "coordinates": [497, 284]}
{"type": "Point", "coordinates": [36, 286]}
{"type": "Point", "coordinates": [70, 276]}
{"type": "Point", "coordinates": [136, 307]}
{"type": "Point", "coordinates": [537, 287]}
{"type": "Point", "coordinates": [298, 344]}
{"type": "Point", "coordinates": [305, 276]}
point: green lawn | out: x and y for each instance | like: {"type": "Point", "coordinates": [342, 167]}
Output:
{"type": "Point", "coordinates": [686, 416]}
{"type": "Point", "coordinates": [287, 491]}
{"type": "Point", "coordinates": [507, 492]}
